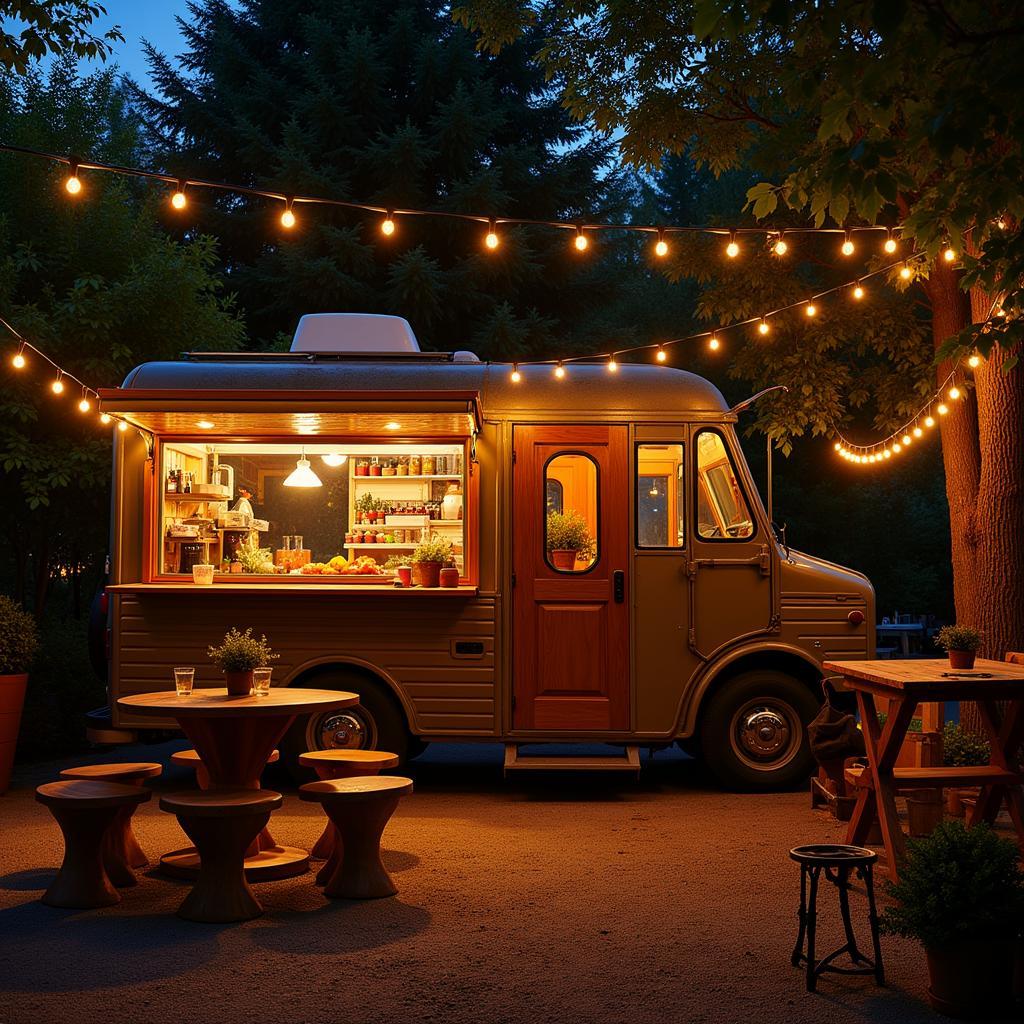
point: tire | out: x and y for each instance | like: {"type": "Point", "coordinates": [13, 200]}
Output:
{"type": "Point", "coordinates": [375, 723]}
{"type": "Point", "coordinates": [753, 732]}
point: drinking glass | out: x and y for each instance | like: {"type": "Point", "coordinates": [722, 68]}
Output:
{"type": "Point", "coordinates": [261, 681]}
{"type": "Point", "coordinates": [183, 678]}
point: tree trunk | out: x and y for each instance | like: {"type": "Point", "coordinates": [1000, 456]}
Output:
{"type": "Point", "coordinates": [983, 454]}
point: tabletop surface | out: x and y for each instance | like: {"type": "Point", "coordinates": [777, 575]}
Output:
{"type": "Point", "coordinates": [933, 672]}
{"type": "Point", "coordinates": [281, 700]}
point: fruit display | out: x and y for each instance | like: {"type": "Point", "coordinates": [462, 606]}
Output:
{"type": "Point", "coordinates": [340, 566]}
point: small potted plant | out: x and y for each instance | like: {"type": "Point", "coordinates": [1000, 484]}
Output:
{"type": "Point", "coordinates": [961, 643]}
{"type": "Point", "coordinates": [18, 642]}
{"type": "Point", "coordinates": [237, 656]}
{"type": "Point", "coordinates": [431, 554]}
{"type": "Point", "coordinates": [961, 895]}
{"type": "Point", "coordinates": [568, 539]}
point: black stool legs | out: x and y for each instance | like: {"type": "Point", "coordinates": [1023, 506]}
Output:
{"type": "Point", "coordinates": [838, 875]}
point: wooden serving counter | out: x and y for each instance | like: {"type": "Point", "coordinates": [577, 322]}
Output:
{"type": "Point", "coordinates": [304, 587]}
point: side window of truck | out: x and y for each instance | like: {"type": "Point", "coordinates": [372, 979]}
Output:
{"type": "Point", "coordinates": [723, 512]}
{"type": "Point", "coordinates": [659, 496]}
{"type": "Point", "coordinates": [571, 514]}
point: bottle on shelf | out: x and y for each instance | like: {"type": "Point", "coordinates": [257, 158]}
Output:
{"type": "Point", "coordinates": [172, 482]}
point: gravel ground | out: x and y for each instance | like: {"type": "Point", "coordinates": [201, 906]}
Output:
{"type": "Point", "coordinates": [533, 900]}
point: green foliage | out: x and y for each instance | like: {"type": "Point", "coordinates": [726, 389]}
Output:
{"type": "Point", "coordinates": [959, 885]}
{"type": "Point", "coordinates": [366, 502]}
{"type": "Point", "coordinates": [241, 652]}
{"type": "Point", "coordinates": [255, 560]}
{"type": "Point", "coordinates": [568, 531]}
{"type": "Point", "coordinates": [958, 638]}
{"type": "Point", "coordinates": [19, 638]}
{"type": "Point", "coordinates": [963, 749]}
{"type": "Point", "coordinates": [433, 548]}
{"type": "Point", "coordinates": [49, 27]}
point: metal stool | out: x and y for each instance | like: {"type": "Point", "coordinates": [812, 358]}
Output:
{"type": "Point", "coordinates": [837, 862]}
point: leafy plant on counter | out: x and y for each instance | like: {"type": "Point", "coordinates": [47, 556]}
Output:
{"type": "Point", "coordinates": [367, 503]}
{"type": "Point", "coordinates": [256, 560]}
{"type": "Point", "coordinates": [434, 548]}
{"type": "Point", "coordinates": [568, 531]}
{"type": "Point", "coordinates": [241, 652]}
{"type": "Point", "coordinates": [958, 638]}
{"type": "Point", "coordinates": [18, 638]}
{"type": "Point", "coordinates": [963, 749]}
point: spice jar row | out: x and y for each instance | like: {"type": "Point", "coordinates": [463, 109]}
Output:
{"type": "Point", "coordinates": [409, 465]}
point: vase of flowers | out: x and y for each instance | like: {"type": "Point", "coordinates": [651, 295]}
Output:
{"type": "Point", "coordinates": [961, 643]}
{"type": "Point", "coordinates": [430, 556]}
{"type": "Point", "coordinates": [238, 655]}
{"type": "Point", "coordinates": [568, 539]}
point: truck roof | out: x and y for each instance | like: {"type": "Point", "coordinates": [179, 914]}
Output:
{"type": "Point", "coordinates": [635, 390]}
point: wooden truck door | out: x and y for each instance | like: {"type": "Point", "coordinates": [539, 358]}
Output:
{"type": "Point", "coordinates": [570, 621]}
{"type": "Point", "coordinates": [730, 562]}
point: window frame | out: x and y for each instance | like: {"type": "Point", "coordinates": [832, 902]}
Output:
{"type": "Point", "coordinates": [637, 546]}
{"type": "Point", "coordinates": [730, 457]}
{"type": "Point", "coordinates": [597, 513]}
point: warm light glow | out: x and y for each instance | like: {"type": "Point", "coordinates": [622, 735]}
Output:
{"type": "Point", "coordinates": [918, 431]}
{"type": "Point", "coordinates": [122, 426]}
{"type": "Point", "coordinates": [84, 405]}
{"type": "Point", "coordinates": [18, 361]}
{"type": "Point", "coordinates": [929, 421]}
{"type": "Point", "coordinates": [559, 371]}
{"type": "Point", "coordinates": [942, 408]}
{"type": "Point", "coordinates": [848, 246]}
{"type": "Point", "coordinates": [178, 200]}
{"type": "Point", "coordinates": [906, 440]}
{"type": "Point", "coordinates": [392, 425]}
{"type": "Point", "coordinates": [763, 327]}
{"type": "Point", "coordinates": [905, 272]}
{"type": "Point", "coordinates": [491, 238]}
{"type": "Point", "coordinates": [896, 449]}
{"type": "Point", "coordinates": [205, 425]}
{"type": "Point", "coordinates": [333, 460]}
{"type": "Point", "coordinates": [73, 184]}
{"type": "Point", "coordinates": [661, 247]}
{"type": "Point", "coordinates": [613, 366]}
{"type": "Point", "coordinates": [302, 475]}
{"type": "Point", "coordinates": [949, 254]}
{"type": "Point", "coordinates": [104, 418]}
{"type": "Point", "coordinates": [661, 355]}
{"type": "Point", "coordinates": [886, 454]}
{"type": "Point", "coordinates": [57, 387]}
{"type": "Point", "coordinates": [387, 225]}
{"type": "Point", "coordinates": [890, 245]}
{"type": "Point", "coordinates": [858, 291]}
{"type": "Point", "coordinates": [713, 343]}
{"type": "Point", "coordinates": [811, 309]}
{"type": "Point", "coordinates": [515, 376]}
{"type": "Point", "coordinates": [732, 250]}
{"type": "Point", "coordinates": [974, 362]}
{"type": "Point", "coordinates": [838, 445]}
{"type": "Point", "coordinates": [288, 218]}
{"type": "Point", "coordinates": [581, 240]}
{"type": "Point", "coordinates": [954, 392]}
{"type": "Point", "coordinates": [781, 247]}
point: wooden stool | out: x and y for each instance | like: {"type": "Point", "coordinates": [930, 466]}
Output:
{"type": "Point", "coordinates": [121, 850]}
{"type": "Point", "coordinates": [222, 823]}
{"type": "Point", "coordinates": [86, 811]}
{"type": "Point", "coordinates": [360, 809]}
{"type": "Point", "coordinates": [182, 863]}
{"type": "Point", "coordinates": [341, 764]}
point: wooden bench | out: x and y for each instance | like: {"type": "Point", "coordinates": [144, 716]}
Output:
{"type": "Point", "coordinates": [221, 823]}
{"type": "Point", "coordinates": [121, 850]}
{"type": "Point", "coordinates": [341, 764]}
{"type": "Point", "coordinates": [360, 808]}
{"type": "Point", "coordinates": [86, 810]}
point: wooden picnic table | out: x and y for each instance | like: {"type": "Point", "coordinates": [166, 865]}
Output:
{"type": "Point", "coordinates": [235, 736]}
{"type": "Point", "coordinates": [905, 684]}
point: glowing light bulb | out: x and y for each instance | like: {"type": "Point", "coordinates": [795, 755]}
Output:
{"type": "Point", "coordinates": [581, 240]}
{"type": "Point", "coordinates": [559, 371]}
{"type": "Point", "coordinates": [178, 200]}
{"type": "Point", "coordinates": [104, 418]}
{"type": "Point", "coordinates": [387, 225]}
{"type": "Point", "coordinates": [949, 254]}
{"type": "Point", "coordinates": [811, 309]}
{"type": "Point", "coordinates": [57, 387]}
{"type": "Point", "coordinates": [732, 250]}
{"type": "Point", "coordinates": [929, 421]}
{"type": "Point", "coordinates": [122, 426]}
{"type": "Point", "coordinates": [886, 454]}
{"type": "Point", "coordinates": [838, 446]}
{"type": "Point", "coordinates": [848, 246]}
{"type": "Point", "coordinates": [781, 247]}
{"type": "Point", "coordinates": [515, 376]}
{"type": "Point", "coordinates": [906, 440]}
{"type": "Point", "coordinates": [661, 246]}
{"type": "Point", "coordinates": [942, 408]}
{"type": "Point", "coordinates": [918, 431]}
{"type": "Point", "coordinates": [974, 362]}
{"type": "Point", "coordinates": [954, 392]}
{"type": "Point", "coordinates": [491, 239]}
{"type": "Point", "coordinates": [661, 355]}
{"type": "Point", "coordinates": [613, 366]}
{"type": "Point", "coordinates": [18, 361]}
{"type": "Point", "coordinates": [73, 184]}
{"type": "Point", "coordinates": [763, 327]}
{"type": "Point", "coordinates": [896, 449]}
{"type": "Point", "coordinates": [288, 218]}
{"type": "Point", "coordinates": [84, 405]}
{"type": "Point", "coordinates": [905, 272]}
{"type": "Point", "coordinates": [858, 292]}
{"type": "Point", "coordinates": [890, 245]}
{"type": "Point", "coordinates": [713, 343]}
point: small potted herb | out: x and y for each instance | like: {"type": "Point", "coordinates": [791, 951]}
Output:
{"type": "Point", "coordinates": [432, 553]}
{"type": "Point", "coordinates": [568, 538]}
{"type": "Point", "coordinates": [961, 643]}
{"type": "Point", "coordinates": [18, 642]}
{"type": "Point", "coordinates": [961, 895]}
{"type": "Point", "coordinates": [237, 656]}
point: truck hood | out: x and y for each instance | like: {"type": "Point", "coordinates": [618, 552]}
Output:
{"type": "Point", "coordinates": [803, 573]}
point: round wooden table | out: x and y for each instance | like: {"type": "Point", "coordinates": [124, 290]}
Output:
{"type": "Point", "coordinates": [234, 736]}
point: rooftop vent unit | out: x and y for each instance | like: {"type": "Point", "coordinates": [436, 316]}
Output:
{"type": "Point", "coordinates": [353, 333]}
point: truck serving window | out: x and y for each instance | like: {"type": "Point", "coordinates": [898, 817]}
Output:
{"type": "Point", "coordinates": [659, 496]}
{"type": "Point", "coordinates": [571, 527]}
{"type": "Point", "coordinates": [271, 509]}
{"type": "Point", "coordinates": [722, 509]}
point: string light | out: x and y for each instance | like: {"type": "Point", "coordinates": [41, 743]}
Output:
{"type": "Point", "coordinates": [848, 246]}
{"type": "Point", "coordinates": [661, 355]}
{"type": "Point", "coordinates": [918, 432]}
{"type": "Point", "coordinates": [581, 239]}
{"type": "Point", "coordinates": [781, 247]}
{"type": "Point", "coordinates": [18, 360]}
{"type": "Point", "coordinates": [929, 421]}
{"type": "Point", "coordinates": [122, 426]}
{"type": "Point", "coordinates": [811, 309]}
{"type": "Point", "coordinates": [515, 376]}
{"type": "Point", "coordinates": [57, 387]}
{"type": "Point", "coordinates": [954, 392]}
{"type": "Point", "coordinates": [491, 238]}
{"type": "Point", "coordinates": [73, 183]}
{"type": "Point", "coordinates": [84, 405]}
{"type": "Point", "coordinates": [104, 418]}
{"type": "Point", "coordinates": [661, 246]}
{"type": "Point", "coordinates": [713, 343]}
{"type": "Point", "coordinates": [732, 250]}
{"type": "Point", "coordinates": [858, 291]}
{"type": "Point", "coordinates": [974, 362]}
{"type": "Point", "coordinates": [288, 217]}
{"type": "Point", "coordinates": [387, 225]}
{"type": "Point", "coordinates": [178, 200]}
{"type": "Point", "coordinates": [949, 254]}
{"type": "Point", "coordinates": [613, 366]}
{"type": "Point", "coordinates": [559, 370]}
{"type": "Point", "coordinates": [905, 272]}
{"type": "Point", "coordinates": [763, 327]}
{"type": "Point", "coordinates": [890, 242]}
{"type": "Point", "coordinates": [942, 408]}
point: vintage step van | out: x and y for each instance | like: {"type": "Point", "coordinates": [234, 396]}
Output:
{"type": "Point", "coordinates": [618, 579]}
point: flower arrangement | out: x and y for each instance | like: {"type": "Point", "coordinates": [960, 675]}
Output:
{"type": "Point", "coordinates": [433, 548]}
{"type": "Point", "coordinates": [255, 560]}
{"type": "Point", "coordinates": [241, 652]}
{"type": "Point", "coordinates": [19, 638]}
{"type": "Point", "coordinates": [568, 531]}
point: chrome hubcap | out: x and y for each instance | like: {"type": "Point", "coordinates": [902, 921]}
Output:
{"type": "Point", "coordinates": [766, 734]}
{"type": "Point", "coordinates": [345, 730]}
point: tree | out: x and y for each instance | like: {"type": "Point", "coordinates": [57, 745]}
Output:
{"type": "Point", "coordinates": [99, 287]}
{"type": "Point", "coordinates": [863, 113]}
{"type": "Point", "coordinates": [385, 101]}
{"type": "Point", "coordinates": [52, 27]}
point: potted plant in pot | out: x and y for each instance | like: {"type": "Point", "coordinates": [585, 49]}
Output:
{"type": "Point", "coordinates": [431, 554]}
{"type": "Point", "coordinates": [18, 641]}
{"type": "Point", "coordinates": [961, 895]}
{"type": "Point", "coordinates": [237, 656]}
{"type": "Point", "coordinates": [568, 538]}
{"type": "Point", "coordinates": [961, 643]}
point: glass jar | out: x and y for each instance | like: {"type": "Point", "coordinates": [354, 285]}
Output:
{"type": "Point", "coordinates": [375, 467]}
{"type": "Point", "coordinates": [362, 468]}
{"type": "Point", "coordinates": [415, 465]}
{"type": "Point", "coordinates": [402, 469]}
{"type": "Point", "coordinates": [427, 464]}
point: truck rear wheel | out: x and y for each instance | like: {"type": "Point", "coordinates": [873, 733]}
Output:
{"type": "Point", "coordinates": [754, 731]}
{"type": "Point", "coordinates": [375, 723]}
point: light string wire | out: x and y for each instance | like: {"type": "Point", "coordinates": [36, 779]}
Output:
{"type": "Point", "coordinates": [578, 225]}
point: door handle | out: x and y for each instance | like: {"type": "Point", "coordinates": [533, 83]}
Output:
{"type": "Point", "coordinates": [619, 586]}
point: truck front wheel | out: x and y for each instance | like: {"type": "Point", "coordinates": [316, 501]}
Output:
{"type": "Point", "coordinates": [754, 731]}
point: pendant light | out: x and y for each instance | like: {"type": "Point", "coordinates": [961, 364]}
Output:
{"type": "Point", "coordinates": [334, 460]}
{"type": "Point", "coordinates": [302, 475]}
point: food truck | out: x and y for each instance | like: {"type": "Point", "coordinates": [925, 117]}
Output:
{"type": "Point", "coordinates": [616, 577]}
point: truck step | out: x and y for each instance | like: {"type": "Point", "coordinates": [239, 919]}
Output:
{"type": "Point", "coordinates": [516, 761]}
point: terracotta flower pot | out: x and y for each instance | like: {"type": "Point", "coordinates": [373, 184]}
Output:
{"type": "Point", "coordinates": [449, 577]}
{"type": "Point", "coordinates": [238, 683]}
{"type": "Point", "coordinates": [430, 574]}
{"type": "Point", "coordinates": [961, 659]}
{"type": "Point", "coordinates": [12, 697]}
{"type": "Point", "coordinates": [973, 980]}
{"type": "Point", "coordinates": [563, 559]}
